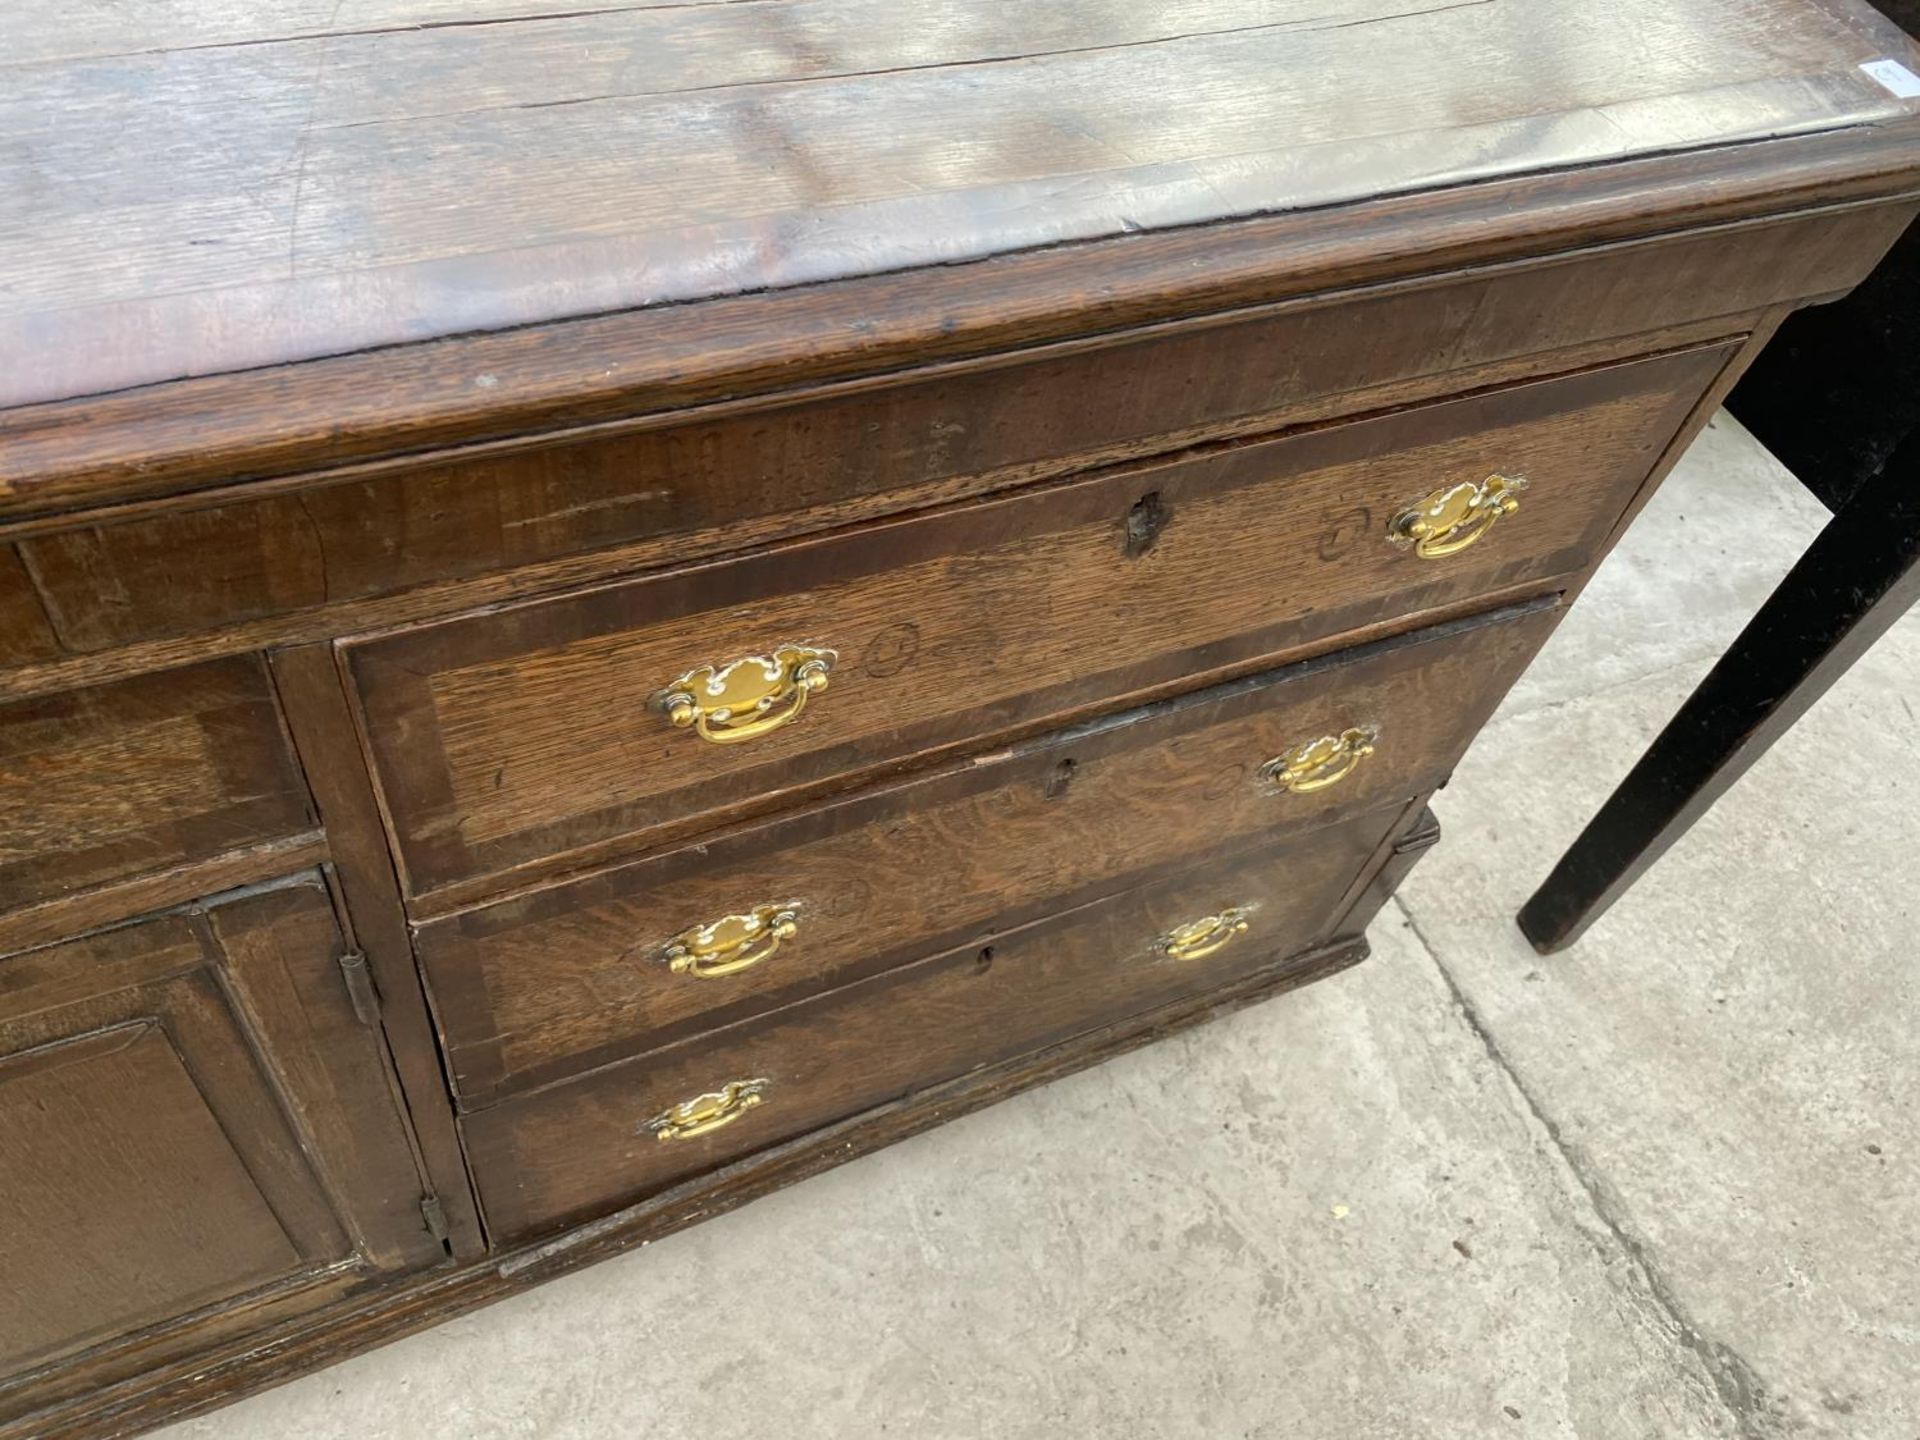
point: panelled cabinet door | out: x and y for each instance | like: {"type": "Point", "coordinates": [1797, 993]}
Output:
{"type": "Point", "coordinates": [196, 1126]}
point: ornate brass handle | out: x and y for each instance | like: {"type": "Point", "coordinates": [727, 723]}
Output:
{"type": "Point", "coordinates": [732, 943]}
{"type": "Point", "coordinates": [1319, 763]}
{"type": "Point", "coordinates": [704, 1114]}
{"type": "Point", "coordinates": [737, 702]}
{"type": "Point", "coordinates": [1451, 519]}
{"type": "Point", "coordinates": [1198, 939]}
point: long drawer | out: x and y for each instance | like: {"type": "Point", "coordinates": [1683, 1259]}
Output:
{"type": "Point", "coordinates": [515, 737]}
{"type": "Point", "coordinates": [753, 470]}
{"type": "Point", "coordinates": [530, 989]}
{"type": "Point", "coordinates": [583, 1147]}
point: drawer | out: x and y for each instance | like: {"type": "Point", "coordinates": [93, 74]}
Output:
{"type": "Point", "coordinates": [520, 735]}
{"type": "Point", "coordinates": [121, 780]}
{"type": "Point", "coordinates": [764, 467]}
{"type": "Point", "coordinates": [583, 1147]}
{"type": "Point", "coordinates": [530, 989]}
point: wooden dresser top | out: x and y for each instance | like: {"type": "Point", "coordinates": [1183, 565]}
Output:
{"type": "Point", "coordinates": [216, 185]}
{"type": "Point", "coordinates": [207, 188]}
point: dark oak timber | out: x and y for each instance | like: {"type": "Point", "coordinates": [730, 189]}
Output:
{"type": "Point", "coordinates": [311, 195]}
{"type": "Point", "coordinates": [397, 400]}
{"type": "Point", "coordinates": [552, 981]}
{"type": "Point", "coordinates": [322, 729]}
{"type": "Point", "coordinates": [529, 732]}
{"type": "Point", "coordinates": [191, 1114]}
{"type": "Point", "coordinates": [102, 785]}
{"type": "Point", "coordinates": [573, 1150]}
{"type": "Point", "coordinates": [266, 551]}
{"type": "Point", "coordinates": [511, 387]}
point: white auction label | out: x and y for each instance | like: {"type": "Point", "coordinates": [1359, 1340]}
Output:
{"type": "Point", "coordinates": [1895, 76]}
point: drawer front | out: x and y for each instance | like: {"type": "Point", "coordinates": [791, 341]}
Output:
{"type": "Point", "coordinates": [543, 985]}
{"type": "Point", "coordinates": [121, 780]}
{"type": "Point", "coordinates": [706, 481]}
{"type": "Point", "coordinates": [583, 1147]}
{"type": "Point", "coordinates": [518, 735]}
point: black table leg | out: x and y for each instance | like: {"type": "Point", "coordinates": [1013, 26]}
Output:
{"type": "Point", "coordinates": [1858, 577]}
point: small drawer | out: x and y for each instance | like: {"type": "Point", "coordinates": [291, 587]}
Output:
{"type": "Point", "coordinates": [546, 984]}
{"type": "Point", "coordinates": [517, 736]}
{"type": "Point", "coordinates": [122, 780]}
{"type": "Point", "coordinates": [584, 1147]}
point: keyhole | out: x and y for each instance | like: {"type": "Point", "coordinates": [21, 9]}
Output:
{"type": "Point", "coordinates": [1145, 521]}
{"type": "Point", "coordinates": [983, 962]}
{"type": "Point", "coordinates": [1059, 779]}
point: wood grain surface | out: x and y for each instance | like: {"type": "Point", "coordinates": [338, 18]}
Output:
{"type": "Point", "coordinates": [524, 734]}
{"type": "Point", "coordinates": [279, 953]}
{"type": "Point", "coordinates": [191, 205]}
{"type": "Point", "coordinates": [535, 987]}
{"type": "Point", "coordinates": [1853, 191]}
{"type": "Point", "coordinates": [571, 1151]}
{"type": "Point", "coordinates": [432, 381]}
{"type": "Point", "coordinates": [117, 901]}
{"type": "Point", "coordinates": [316, 706]}
{"type": "Point", "coordinates": [124, 780]}
{"type": "Point", "coordinates": [194, 1122]}
{"type": "Point", "coordinates": [111, 1154]}
{"type": "Point", "coordinates": [154, 986]}
{"type": "Point", "coordinates": [730, 474]}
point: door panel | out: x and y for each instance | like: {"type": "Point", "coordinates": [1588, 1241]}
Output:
{"type": "Point", "coordinates": [193, 1114]}
{"type": "Point", "coordinates": [124, 1201]}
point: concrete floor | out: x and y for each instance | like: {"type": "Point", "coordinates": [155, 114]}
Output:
{"type": "Point", "coordinates": [1665, 1185]}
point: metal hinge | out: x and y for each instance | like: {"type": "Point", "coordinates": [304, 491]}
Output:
{"type": "Point", "coordinates": [366, 999]}
{"type": "Point", "coordinates": [435, 1216]}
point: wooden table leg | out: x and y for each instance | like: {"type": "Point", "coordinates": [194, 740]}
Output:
{"type": "Point", "coordinates": [1858, 577]}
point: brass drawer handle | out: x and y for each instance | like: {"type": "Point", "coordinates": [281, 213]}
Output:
{"type": "Point", "coordinates": [1451, 519]}
{"type": "Point", "coordinates": [1198, 939]}
{"type": "Point", "coordinates": [732, 943]}
{"type": "Point", "coordinates": [737, 702]}
{"type": "Point", "coordinates": [704, 1114]}
{"type": "Point", "coordinates": [1319, 763]}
